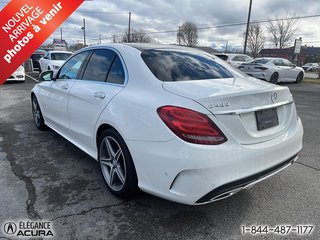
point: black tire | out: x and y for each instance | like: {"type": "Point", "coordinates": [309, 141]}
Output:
{"type": "Point", "coordinates": [274, 78]}
{"type": "Point", "coordinates": [299, 77]}
{"type": "Point", "coordinates": [37, 115]}
{"type": "Point", "coordinates": [117, 169]}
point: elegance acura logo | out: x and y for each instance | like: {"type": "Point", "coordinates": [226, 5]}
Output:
{"type": "Point", "coordinates": [274, 96]}
{"type": "Point", "coordinates": [10, 228]}
{"type": "Point", "coordinates": [28, 229]}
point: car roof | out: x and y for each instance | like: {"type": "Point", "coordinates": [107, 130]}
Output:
{"type": "Point", "coordinates": [39, 51]}
{"type": "Point", "coordinates": [231, 54]}
{"type": "Point", "coordinates": [148, 46]}
{"type": "Point", "coordinates": [59, 52]}
{"type": "Point", "coordinates": [145, 46]}
{"type": "Point", "coordinates": [270, 58]}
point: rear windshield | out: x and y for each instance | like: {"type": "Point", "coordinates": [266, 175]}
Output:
{"type": "Point", "coordinates": [171, 65]}
{"type": "Point", "coordinates": [261, 61]}
{"type": "Point", "coordinates": [60, 56]}
{"type": "Point", "coordinates": [222, 56]}
{"type": "Point", "coordinates": [37, 56]}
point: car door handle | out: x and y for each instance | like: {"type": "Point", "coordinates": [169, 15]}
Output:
{"type": "Point", "coordinates": [65, 87]}
{"type": "Point", "coordinates": [100, 95]}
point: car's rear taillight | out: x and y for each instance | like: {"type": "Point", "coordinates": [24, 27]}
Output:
{"type": "Point", "coordinates": [191, 126]}
{"type": "Point", "coordinates": [261, 68]}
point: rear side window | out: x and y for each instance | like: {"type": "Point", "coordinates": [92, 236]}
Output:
{"type": "Point", "coordinates": [171, 65]}
{"type": "Point", "coordinates": [239, 58]}
{"type": "Point", "coordinates": [116, 74]}
{"type": "Point", "coordinates": [99, 65]}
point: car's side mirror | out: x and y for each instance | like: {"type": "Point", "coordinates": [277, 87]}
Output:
{"type": "Point", "coordinates": [46, 76]}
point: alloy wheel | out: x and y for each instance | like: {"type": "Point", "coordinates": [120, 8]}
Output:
{"type": "Point", "coordinates": [36, 112]}
{"type": "Point", "coordinates": [113, 164]}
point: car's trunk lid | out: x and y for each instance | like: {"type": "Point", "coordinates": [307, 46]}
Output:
{"type": "Point", "coordinates": [235, 103]}
{"type": "Point", "coordinates": [252, 67]}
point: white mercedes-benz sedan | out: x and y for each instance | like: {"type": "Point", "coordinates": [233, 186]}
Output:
{"type": "Point", "coordinates": [172, 121]}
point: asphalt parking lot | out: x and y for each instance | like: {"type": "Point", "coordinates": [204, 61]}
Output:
{"type": "Point", "coordinates": [43, 176]}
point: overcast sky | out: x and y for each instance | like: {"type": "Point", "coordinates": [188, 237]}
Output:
{"type": "Point", "coordinates": [166, 15]}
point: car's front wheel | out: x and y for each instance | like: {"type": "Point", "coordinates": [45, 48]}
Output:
{"type": "Point", "coordinates": [37, 115]}
{"type": "Point", "coordinates": [116, 164]}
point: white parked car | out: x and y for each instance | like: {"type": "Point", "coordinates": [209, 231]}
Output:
{"type": "Point", "coordinates": [273, 70]}
{"type": "Point", "coordinates": [18, 75]}
{"type": "Point", "coordinates": [310, 67]}
{"type": "Point", "coordinates": [234, 59]}
{"type": "Point", "coordinates": [53, 60]}
{"type": "Point", "coordinates": [172, 121]}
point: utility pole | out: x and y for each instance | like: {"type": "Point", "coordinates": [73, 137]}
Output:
{"type": "Point", "coordinates": [227, 42]}
{"type": "Point", "coordinates": [179, 35]}
{"type": "Point", "coordinates": [61, 34]}
{"type": "Point", "coordinates": [129, 28]}
{"type": "Point", "coordinates": [84, 32]}
{"type": "Point", "coordinates": [247, 31]}
{"type": "Point", "coordinates": [100, 39]}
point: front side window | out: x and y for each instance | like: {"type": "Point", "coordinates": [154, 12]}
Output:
{"type": "Point", "coordinates": [173, 65]}
{"type": "Point", "coordinates": [71, 69]}
{"type": "Point", "coordinates": [99, 65]}
{"type": "Point", "coordinates": [287, 63]}
{"type": "Point", "coordinates": [247, 59]}
{"type": "Point", "coordinates": [278, 62]}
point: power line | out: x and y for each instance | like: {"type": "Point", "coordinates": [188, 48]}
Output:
{"type": "Point", "coordinates": [237, 24]}
{"type": "Point", "coordinates": [111, 13]}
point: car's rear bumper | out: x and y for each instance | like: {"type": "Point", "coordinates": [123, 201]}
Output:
{"type": "Point", "coordinates": [231, 188]}
{"type": "Point", "coordinates": [259, 75]}
{"type": "Point", "coordinates": [196, 174]}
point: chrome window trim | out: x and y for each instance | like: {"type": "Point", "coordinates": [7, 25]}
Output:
{"type": "Point", "coordinates": [126, 74]}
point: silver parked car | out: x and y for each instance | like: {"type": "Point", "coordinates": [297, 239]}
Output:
{"type": "Point", "coordinates": [234, 59]}
{"type": "Point", "coordinates": [273, 70]}
{"type": "Point", "coordinates": [310, 67]}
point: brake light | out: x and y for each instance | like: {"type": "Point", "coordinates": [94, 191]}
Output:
{"type": "Point", "coordinates": [191, 126]}
{"type": "Point", "coordinates": [261, 68]}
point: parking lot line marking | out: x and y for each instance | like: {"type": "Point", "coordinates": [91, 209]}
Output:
{"type": "Point", "coordinates": [32, 78]}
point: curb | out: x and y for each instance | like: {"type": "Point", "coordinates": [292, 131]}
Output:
{"type": "Point", "coordinates": [315, 81]}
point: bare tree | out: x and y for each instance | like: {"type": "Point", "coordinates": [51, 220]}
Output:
{"type": "Point", "coordinates": [136, 35]}
{"type": "Point", "coordinates": [256, 38]}
{"type": "Point", "coordinates": [282, 30]}
{"type": "Point", "coordinates": [188, 34]}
